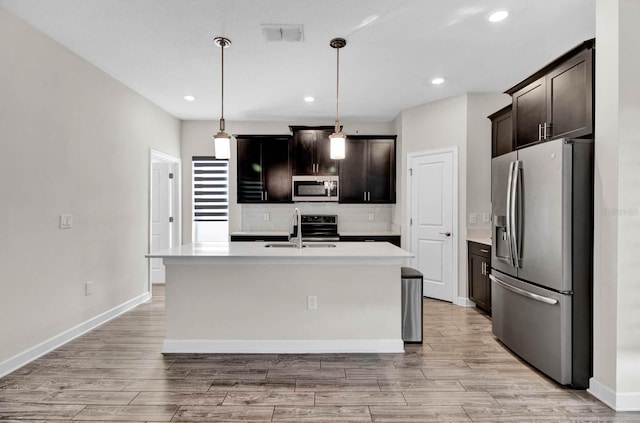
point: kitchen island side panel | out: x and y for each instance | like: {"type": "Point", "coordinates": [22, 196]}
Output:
{"type": "Point", "coordinates": [268, 302]}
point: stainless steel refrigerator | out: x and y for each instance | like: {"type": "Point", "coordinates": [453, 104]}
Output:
{"type": "Point", "coordinates": [541, 277]}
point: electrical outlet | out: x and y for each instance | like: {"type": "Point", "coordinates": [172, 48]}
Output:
{"type": "Point", "coordinates": [265, 216]}
{"type": "Point", "coordinates": [473, 218]}
{"type": "Point", "coordinates": [88, 288]}
{"type": "Point", "coordinates": [486, 217]}
{"type": "Point", "coordinates": [370, 216]}
{"type": "Point", "coordinates": [66, 221]}
{"type": "Point", "coordinates": [312, 302]}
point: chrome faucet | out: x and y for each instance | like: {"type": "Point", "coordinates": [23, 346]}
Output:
{"type": "Point", "coordinates": [297, 228]}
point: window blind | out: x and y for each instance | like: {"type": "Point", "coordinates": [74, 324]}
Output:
{"type": "Point", "coordinates": [210, 189]}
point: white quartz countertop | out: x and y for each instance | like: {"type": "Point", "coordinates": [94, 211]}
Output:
{"type": "Point", "coordinates": [240, 252]}
{"type": "Point", "coordinates": [368, 233]}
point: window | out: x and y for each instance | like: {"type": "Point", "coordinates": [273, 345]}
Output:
{"type": "Point", "coordinates": [210, 199]}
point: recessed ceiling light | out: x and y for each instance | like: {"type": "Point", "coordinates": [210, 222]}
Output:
{"type": "Point", "coordinates": [499, 15]}
{"type": "Point", "coordinates": [309, 99]}
{"type": "Point", "coordinates": [189, 97]}
{"type": "Point", "coordinates": [437, 81]}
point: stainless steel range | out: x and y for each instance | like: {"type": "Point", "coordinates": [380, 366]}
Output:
{"type": "Point", "coordinates": [320, 227]}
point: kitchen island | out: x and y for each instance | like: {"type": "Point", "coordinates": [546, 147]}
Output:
{"type": "Point", "coordinates": [258, 297]}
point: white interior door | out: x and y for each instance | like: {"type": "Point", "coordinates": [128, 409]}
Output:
{"type": "Point", "coordinates": [161, 226]}
{"type": "Point", "coordinates": [431, 198]}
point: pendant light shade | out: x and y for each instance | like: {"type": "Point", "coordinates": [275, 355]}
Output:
{"type": "Point", "coordinates": [337, 146]}
{"type": "Point", "coordinates": [222, 140]}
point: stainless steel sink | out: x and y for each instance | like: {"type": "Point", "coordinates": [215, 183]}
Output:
{"type": "Point", "coordinates": [283, 245]}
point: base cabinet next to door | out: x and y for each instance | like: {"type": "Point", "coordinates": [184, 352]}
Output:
{"type": "Point", "coordinates": [479, 269]}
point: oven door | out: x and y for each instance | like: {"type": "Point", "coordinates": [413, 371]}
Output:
{"type": "Point", "coordinates": [315, 188]}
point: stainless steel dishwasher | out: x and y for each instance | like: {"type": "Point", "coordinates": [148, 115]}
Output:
{"type": "Point", "coordinates": [411, 281]}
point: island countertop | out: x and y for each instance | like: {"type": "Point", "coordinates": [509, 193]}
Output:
{"type": "Point", "coordinates": [259, 252]}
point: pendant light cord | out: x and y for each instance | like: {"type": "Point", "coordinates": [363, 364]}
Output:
{"type": "Point", "coordinates": [337, 129]}
{"type": "Point", "coordinates": [222, 46]}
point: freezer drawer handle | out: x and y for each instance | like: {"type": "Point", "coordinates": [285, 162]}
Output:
{"type": "Point", "coordinates": [524, 293]}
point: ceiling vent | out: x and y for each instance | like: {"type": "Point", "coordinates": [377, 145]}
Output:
{"type": "Point", "coordinates": [276, 32]}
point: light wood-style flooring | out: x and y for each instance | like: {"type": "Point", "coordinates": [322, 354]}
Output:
{"type": "Point", "coordinates": [460, 373]}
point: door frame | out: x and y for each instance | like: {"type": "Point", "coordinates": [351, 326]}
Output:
{"type": "Point", "coordinates": [455, 218]}
{"type": "Point", "coordinates": [176, 201]}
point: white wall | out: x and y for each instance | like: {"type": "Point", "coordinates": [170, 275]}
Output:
{"type": "Point", "coordinates": [460, 122]}
{"type": "Point", "coordinates": [616, 378]}
{"type": "Point", "coordinates": [479, 106]}
{"type": "Point", "coordinates": [197, 141]}
{"type": "Point", "coordinates": [72, 141]}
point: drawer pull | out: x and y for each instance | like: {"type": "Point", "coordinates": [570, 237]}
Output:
{"type": "Point", "coordinates": [546, 300]}
{"type": "Point", "coordinates": [484, 251]}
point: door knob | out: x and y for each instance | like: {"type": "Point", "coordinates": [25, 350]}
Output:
{"type": "Point", "coordinates": [445, 233]}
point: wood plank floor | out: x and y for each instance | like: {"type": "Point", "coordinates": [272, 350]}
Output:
{"type": "Point", "coordinates": [460, 373]}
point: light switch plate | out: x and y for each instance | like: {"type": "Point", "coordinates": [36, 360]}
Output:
{"type": "Point", "coordinates": [473, 218]}
{"type": "Point", "coordinates": [88, 288]}
{"type": "Point", "coordinates": [66, 221]}
{"type": "Point", "coordinates": [265, 217]}
{"type": "Point", "coordinates": [370, 216]}
{"type": "Point", "coordinates": [486, 217]}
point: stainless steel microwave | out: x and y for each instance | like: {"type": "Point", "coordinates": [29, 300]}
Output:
{"type": "Point", "coordinates": [315, 188]}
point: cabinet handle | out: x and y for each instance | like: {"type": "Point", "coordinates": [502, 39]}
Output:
{"type": "Point", "coordinates": [261, 195]}
{"type": "Point", "coordinates": [539, 132]}
{"type": "Point", "coordinates": [369, 196]}
{"type": "Point", "coordinates": [364, 194]}
{"type": "Point", "coordinates": [266, 196]}
{"type": "Point", "coordinates": [484, 251]}
{"type": "Point", "coordinates": [547, 126]}
{"type": "Point", "coordinates": [482, 269]}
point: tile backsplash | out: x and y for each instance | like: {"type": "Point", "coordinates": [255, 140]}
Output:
{"type": "Point", "coordinates": [351, 217]}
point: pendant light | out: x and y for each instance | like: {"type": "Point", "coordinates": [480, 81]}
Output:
{"type": "Point", "coordinates": [222, 140]}
{"type": "Point", "coordinates": [337, 139]}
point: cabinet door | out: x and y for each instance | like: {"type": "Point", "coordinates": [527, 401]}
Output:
{"type": "Point", "coordinates": [381, 175]}
{"type": "Point", "coordinates": [353, 172]}
{"type": "Point", "coordinates": [501, 132]}
{"type": "Point", "coordinates": [570, 94]}
{"type": "Point", "coordinates": [529, 111]}
{"type": "Point", "coordinates": [304, 152]}
{"type": "Point", "coordinates": [324, 164]}
{"type": "Point", "coordinates": [276, 170]}
{"type": "Point", "coordinates": [249, 171]}
{"type": "Point", "coordinates": [477, 285]}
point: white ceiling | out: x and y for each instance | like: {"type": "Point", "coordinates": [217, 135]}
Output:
{"type": "Point", "coordinates": [163, 49]}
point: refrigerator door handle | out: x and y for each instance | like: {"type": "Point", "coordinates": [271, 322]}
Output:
{"type": "Point", "coordinates": [508, 214]}
{"type": "Point", "coordinates": [514, 212]}
{"type": "Point", "coordinates": [542, 299]}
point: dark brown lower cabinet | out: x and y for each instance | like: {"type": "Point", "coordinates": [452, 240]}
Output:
{"type": "Point", "coordinates": [479, 269]}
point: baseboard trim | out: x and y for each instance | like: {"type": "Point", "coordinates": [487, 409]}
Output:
{"type": "Point", "coordinates": [259, 346]}
{"type": "Point", "coordinates": [628, 401]}
{"type": "Point", "coordinates": [21, 359]}
{"type": "Point", "coordinates": [465, 302]}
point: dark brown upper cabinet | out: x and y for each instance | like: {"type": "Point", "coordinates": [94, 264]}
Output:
{"type": "Point", "coordinates": [557, 101]}
{"type": "Point", "coordinates": [501, 131]}
{"type": "Point", "coordinates": [367, 173]}
{"type": "Point", "coordinates": [264, 169]}
{"type": "Point", "coordinates": [311, 151]}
